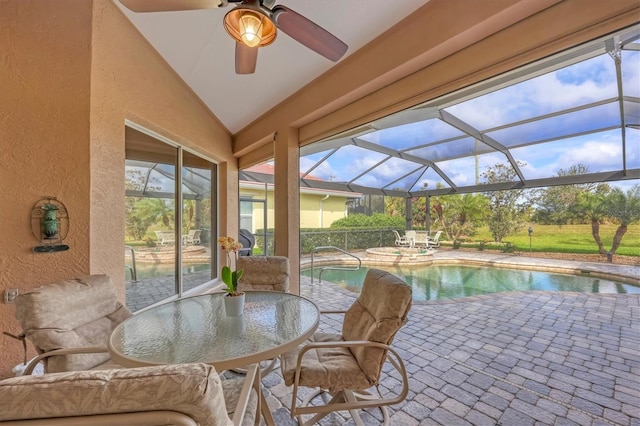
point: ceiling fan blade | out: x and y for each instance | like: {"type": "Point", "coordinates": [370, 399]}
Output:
{"type": "Point", "coordinates": [308, 33]}
{"type": "Point", "coordinates": [171, 5]}
{"type": "Point", "coordinates": [246, 58]}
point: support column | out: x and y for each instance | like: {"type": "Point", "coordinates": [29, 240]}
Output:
{"type": "Point", "coordinates": [428, 213]}
{"type": "Point", "coordinates": [287, 202]}
{"type": "Point", "coordinates": [408, 217]}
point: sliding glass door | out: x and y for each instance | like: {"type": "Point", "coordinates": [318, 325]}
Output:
{"type": "Point", "coordinates": [170, 219]}
{"type": "Point", "coordinates": [198, 217]}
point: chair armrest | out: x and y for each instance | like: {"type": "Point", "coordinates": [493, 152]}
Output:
{"type": "Point", "coordinates": [333, 312]}
{"type": "Point", "coordinates": [65, 351]}
{"type": "Point", "coordinates": [165, 417]}
{"type": "Point", "coordinates": [392, 356]}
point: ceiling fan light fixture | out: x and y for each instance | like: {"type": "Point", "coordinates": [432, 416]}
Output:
{"type": "Point", "coordinates": [250, 27]}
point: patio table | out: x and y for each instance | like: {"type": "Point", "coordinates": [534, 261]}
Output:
{"type": "Point", "coordinates": [197, 329]}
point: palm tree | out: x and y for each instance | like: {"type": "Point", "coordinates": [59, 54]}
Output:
{"type": "Point", "coordinates": [625, 209]}
{"type": "Point", "coordinates": [590, 206]}
{"type": "Point", "coordinates": [461, 214]}
{"type": "Point", "coordinates": [618, 206]}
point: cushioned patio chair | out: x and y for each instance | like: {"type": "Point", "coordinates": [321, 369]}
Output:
{"type": "Point", "coordinates": [69, 323]}
{"type": "Point", "coordinates": [182, 394]}
{"type": "Point", "coordinates": [346, 365]}
{"type": "Point", "coordinates": [264, 273]}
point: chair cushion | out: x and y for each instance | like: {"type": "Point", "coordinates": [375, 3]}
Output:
{"type": "Point", "coordinates": [192, 389]}
{"type": "Point", "coordinates": [331, 369]}
{"type": "Point", "coordinates": [270, 273]}
{"type": "Point", "coordinates": [376, 315]}
{"type": "Point", "coordinates": [72, 313]}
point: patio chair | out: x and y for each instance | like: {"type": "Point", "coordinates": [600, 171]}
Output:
{"type": "Point", "coordinates": [400, 240]}
{"type": "Point", "coordinates": [435, 241]}
{"type": "Point", "coordinates": [411, 236]}
{"type": "Point", "coordinates": [182, 394]}
{"type": "Point", "coordinates": [248, 242]}
{"type": "Point", "coordinates": [264, 273]}
{"type": "Point", "coordinates": [166, 238]}
{"type": "Point", "coordinates": [192, 238]}
{"type": "Point", "coordinates": [267, 273]}
{"type": "Point", "coordinates": [345, 365]}
{"type": "Point", "coordinates": [69, 323]}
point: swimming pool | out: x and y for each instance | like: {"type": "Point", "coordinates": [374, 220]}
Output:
{"type": "Point", "coordinates": [436, 282]}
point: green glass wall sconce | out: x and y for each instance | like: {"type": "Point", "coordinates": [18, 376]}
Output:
{"type": "Point", "coordinates": [49, 225]}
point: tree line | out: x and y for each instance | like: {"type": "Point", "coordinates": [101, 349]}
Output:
{"type": "Point", "coordinates": [506, 212]}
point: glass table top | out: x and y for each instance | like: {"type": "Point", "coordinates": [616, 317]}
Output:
{"type": "Point", "coordinates": [197, 329]}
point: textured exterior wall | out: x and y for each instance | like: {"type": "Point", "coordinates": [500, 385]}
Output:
{"type": "Point", "coordinates": [129, 80]}
{"type": "Point", "coordinates": [44, 134]}
{"type": "Point", "coordinates": [72, 72]}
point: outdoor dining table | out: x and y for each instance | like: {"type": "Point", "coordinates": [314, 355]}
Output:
{"type": "Point", "coordinates": [197, 329]}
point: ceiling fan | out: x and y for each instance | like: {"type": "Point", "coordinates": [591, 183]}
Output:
{"type": "Point", "coordinates": [253, 24]}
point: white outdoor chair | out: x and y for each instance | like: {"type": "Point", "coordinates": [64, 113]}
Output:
{"type": "Point", "coordinates": [401, 241]}
{"type": "Point", "coordinates": [193, 237]}
{"type": "Point", "coordinates": [435, 241]}
{"type": "Point", "coordinates": [166, 238]}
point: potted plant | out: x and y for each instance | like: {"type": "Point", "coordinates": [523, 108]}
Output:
{"type": "Point", "coordinates": [234, 300]}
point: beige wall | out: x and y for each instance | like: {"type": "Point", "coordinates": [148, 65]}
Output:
{"type": "Point", "coordinates": [333, 208]}
{"type": "Point", "coordinates": [312, 206]}
{"type": "Point", "coordinates": [259, 194]}
{"type": "Point", "coordinates": [72, 72]}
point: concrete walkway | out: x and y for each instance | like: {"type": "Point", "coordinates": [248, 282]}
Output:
{"type": "Point", "coordinates": [513, 359]}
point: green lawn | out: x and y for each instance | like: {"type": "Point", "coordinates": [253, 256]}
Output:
{"type": "Point", "coordinates": [566, 239]}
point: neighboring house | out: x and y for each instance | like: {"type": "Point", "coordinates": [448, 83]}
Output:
{"type": "Point", "coordinates": [318, 207]}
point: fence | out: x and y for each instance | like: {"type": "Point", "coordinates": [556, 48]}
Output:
{"type": "Point", "coordinates": [345, 239]}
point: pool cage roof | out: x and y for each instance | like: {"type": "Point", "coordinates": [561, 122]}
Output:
{"type": "Point", "coordinates": [581, 107]}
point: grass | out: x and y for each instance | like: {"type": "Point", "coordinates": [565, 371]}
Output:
{"type": "Point", "coordinates": [563, 239]}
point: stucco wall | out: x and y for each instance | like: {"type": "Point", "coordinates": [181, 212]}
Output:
{"type": "Point", "coordinates": [44, 132]}
{"type": "Point", "coordinates": [72, 72]}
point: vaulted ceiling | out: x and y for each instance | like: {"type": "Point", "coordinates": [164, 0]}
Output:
{"type": "Point", "coordinates": [195, 44]}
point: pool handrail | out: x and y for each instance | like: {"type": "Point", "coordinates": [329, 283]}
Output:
{"type": "Point", "coordinates": [132, 268]}
{"type": "Point", "coordinates": [335, 268]}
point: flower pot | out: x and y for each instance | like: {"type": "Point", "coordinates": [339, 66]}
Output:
{"type": "Point", "coordinates": [234, 305]}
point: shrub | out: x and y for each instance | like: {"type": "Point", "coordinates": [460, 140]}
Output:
{"type": "Point", "coordinates": [150, 242]}
{"type": "Point", "coordinates": [509, 248]}
{"type": "Point", "coordinates": [377, 220]}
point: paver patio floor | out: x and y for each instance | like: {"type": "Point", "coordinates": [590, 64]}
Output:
{"type": "Point", "coordinates": [521, 358]}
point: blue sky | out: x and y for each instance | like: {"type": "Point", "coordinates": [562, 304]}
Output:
{"type": "Point", "coordinates": [583, 83]}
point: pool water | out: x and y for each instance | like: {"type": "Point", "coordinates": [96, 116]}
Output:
{"type": "Point", "coordinates": [436, 282]}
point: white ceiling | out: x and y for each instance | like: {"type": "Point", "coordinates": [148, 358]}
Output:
{"type": "Point", "coordinates": [198, 48]}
